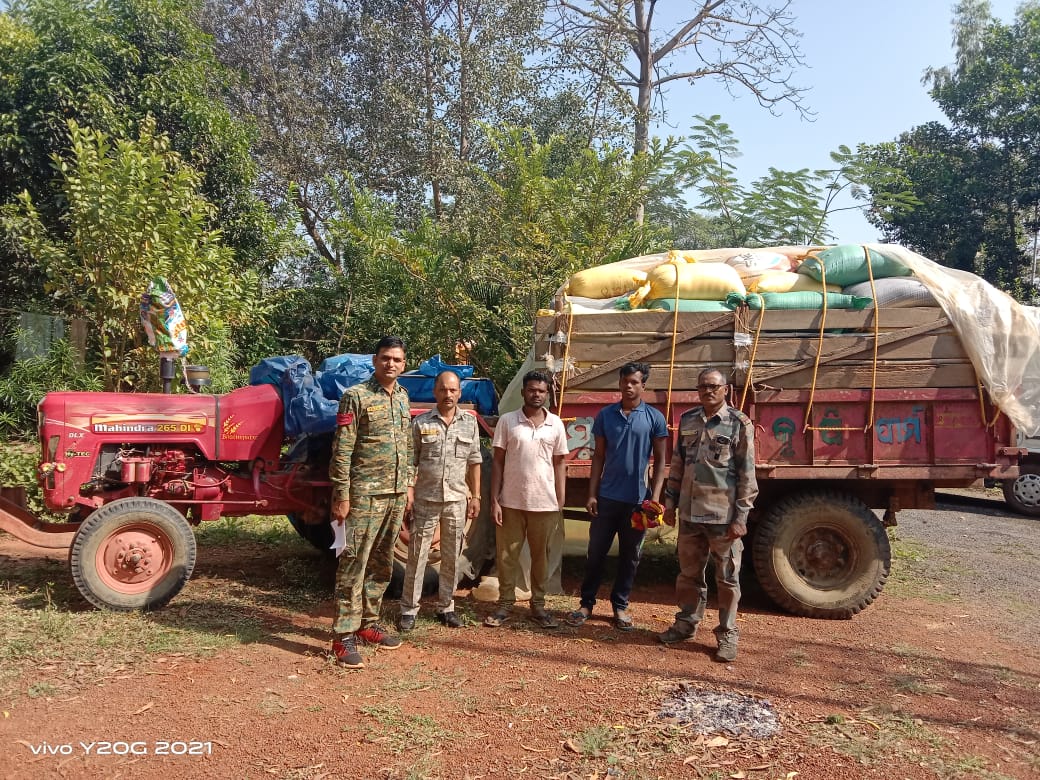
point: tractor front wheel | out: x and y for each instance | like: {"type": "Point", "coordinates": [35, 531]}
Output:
{"type": "Point", "coordinates": [135, 553]}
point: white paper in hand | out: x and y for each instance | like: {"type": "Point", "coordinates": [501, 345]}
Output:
{"type": "Point", "coordinates": [339, 537]}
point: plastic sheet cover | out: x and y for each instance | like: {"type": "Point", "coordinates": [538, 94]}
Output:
{"type": "Point", "coordinates": [1000, 336]}
{"type": "Point", "coordinates": [310, 400]}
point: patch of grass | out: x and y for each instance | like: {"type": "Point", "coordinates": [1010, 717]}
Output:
{"type": "Point", "coordinates": [913, 683]}
{"type": "Point", "coordinates": [41, 689]}
{"type": "Point", "coordinates": [910, 576]}
{"type": "Point", "coordinates": [873, 738]}
{"type": "Point", "coordinates": [800, 658]}
{"type": "Point", "coordinates": [267, 530]}
{"type": "Point", "coordinates": [399, 732]}
{"type": "Point", "coordinates": [594, 741]}
{"type": "Point", "coordinates": [48, 634]}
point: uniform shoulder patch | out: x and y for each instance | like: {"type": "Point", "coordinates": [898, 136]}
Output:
{"type": "Point", "coordinates": [345, 419]}
{"type": "Point", "coordinates": [739, 415]}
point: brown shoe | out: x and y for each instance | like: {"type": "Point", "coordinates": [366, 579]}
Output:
{"type": "Point", "coordinates": [727, 649]}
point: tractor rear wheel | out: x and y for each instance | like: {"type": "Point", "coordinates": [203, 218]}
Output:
{"type": "Point", "coordinates": [135, 553]}
{"type": "Point", "coordinates": [821, 555]}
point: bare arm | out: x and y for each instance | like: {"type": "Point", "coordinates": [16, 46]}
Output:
{"type": "Point", "coordinates": [473, 483]}
{"type": "Point", "coordinates": [497, 464]}
{"type": "Point", "coordinates": [660, 451]}
{"type": "Point", "coordinates": [560, 467]}
{"type": "Point", "coordinates": [595, 475]}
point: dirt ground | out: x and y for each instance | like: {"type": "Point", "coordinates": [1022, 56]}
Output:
{"type": "Point", "coordinates": [939, 679]}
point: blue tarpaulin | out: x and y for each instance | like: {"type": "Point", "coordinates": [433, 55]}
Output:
{"type": "Point", "coordinates": [311, 400]}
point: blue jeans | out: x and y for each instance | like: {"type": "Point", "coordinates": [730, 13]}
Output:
{"type": "Point", "coordinates": [612, 518]}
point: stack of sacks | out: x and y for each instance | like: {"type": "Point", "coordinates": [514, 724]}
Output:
{"type": "Point", "coordinates": [694, 286]}
{"type": "Point", "coordinates": [848, 265]}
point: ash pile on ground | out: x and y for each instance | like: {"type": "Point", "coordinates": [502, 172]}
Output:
{"type": "Point", "coordinates": [710, 712]}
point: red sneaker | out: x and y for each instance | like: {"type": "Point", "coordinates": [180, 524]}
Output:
{"type": "Point", "coordinates": [375, 634]}
{"type": "Point", "coordinates": [346, 652]}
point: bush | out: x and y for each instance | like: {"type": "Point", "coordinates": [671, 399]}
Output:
{"type": "Point", "coordinates": [27, 381]}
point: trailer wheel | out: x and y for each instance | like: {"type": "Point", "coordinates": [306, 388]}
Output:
{"type": "Point", "coordinates": [1023, 493]}
{"type": "Point", "coordinates": [318, 534]}
{"type": "Point", "coordinates": [821, 555]}
{"type": "Point", "coordinates": [135, 553]}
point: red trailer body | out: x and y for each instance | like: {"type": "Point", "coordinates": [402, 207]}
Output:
{"type": "Point", "coordinates": [849, 417]}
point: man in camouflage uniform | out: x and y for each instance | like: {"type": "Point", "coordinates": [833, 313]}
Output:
{"type": "Point", "coordinates": [711, 488]}
{"type": "Point", "coordinates": [371, 475]}
{"type": "Point", "coordinates": [446, 455]}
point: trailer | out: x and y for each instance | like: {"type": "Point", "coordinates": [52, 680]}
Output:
{"type": "Point", "coordinates": [854, 411]}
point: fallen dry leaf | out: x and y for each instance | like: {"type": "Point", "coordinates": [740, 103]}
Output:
{"type": "Point", "coordinates": [145, 708]}
{"type": "Point", "coordinates": [718, 742]}
{"type": "Point", "coordinates": [569, 744]}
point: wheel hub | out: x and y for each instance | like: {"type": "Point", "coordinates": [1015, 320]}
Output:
{"type": "Point", "coordinates": [133, 558]}
{"type": "Point", "coordinates": [821, 557]}
{"type": "Point", "coordinates": [1027, 489]}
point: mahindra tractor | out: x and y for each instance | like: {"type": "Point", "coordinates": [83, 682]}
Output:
{"type": "Point", "coordinates": [135, 472]}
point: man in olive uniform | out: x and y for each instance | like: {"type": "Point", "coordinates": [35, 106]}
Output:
{"type": "Point", "coordinates": [371, 475]}
{"type": "Point", "coordinates": [711, 488]}
{"type": "Point", "coordinates": [446, 454]}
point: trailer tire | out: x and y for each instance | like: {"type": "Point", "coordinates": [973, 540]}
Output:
{"type": "Point", "coordinates": [1023, 493]}
{"type": "Point", "coordinates": [118, 539]}
{"type": "Point", "coordinates": [821, 555]}
{"type": "Point", "coordinates": [318, 534]}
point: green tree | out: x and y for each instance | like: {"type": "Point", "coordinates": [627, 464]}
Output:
{"type": "Point", "coordinates": [782, 207]}
{"type": "Point", "coordinates": [635, 51]}
{"type": "Point", "coordinates": [108, 64]}
{"type": "Point", "coordinates": [132, 210]}
{"type": "Point", "coordinates": [976, 180]}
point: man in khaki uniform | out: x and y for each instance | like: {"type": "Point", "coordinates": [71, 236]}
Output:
{"type": "Point", "coordinates": [371, 475]}
{"type": "Point", "coordinates": [711, 488]}
{"type": "Point", "coordinates": [446, 456]}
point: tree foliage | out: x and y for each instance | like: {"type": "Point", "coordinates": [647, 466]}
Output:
{"type": "Point", "coordinates": [107, 65]}
{"type": "Point", "coordinates": [132, 210]}
{"type": "Point", "coordinates": [781, 207]}
{"type": "Point", "coordinates": [976, 181]}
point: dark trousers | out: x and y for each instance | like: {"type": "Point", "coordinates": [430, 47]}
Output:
{"type": "Point", "coordinates": [614, 518]}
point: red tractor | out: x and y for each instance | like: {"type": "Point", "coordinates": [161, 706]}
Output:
{"type": "Point", "coordinates": [135, 472]}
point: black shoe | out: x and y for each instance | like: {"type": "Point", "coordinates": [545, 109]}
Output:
{"type": "Point", "coordinates": [450, 619]}
{"type": "Point", "coordinates": [406, 623]}
{"type": "Point", "coordinates": [346, 652]}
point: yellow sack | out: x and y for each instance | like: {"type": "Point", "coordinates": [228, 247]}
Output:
{"type": "Point", "coordinates": [787, 281]}
{"type": "Point", "coordinates": [604, 282]}
{"type": "Point", "coordinates": [695, 282]}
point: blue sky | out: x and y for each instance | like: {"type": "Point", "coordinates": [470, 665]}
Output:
{"type": "Point", "coordinates": [863, 67]}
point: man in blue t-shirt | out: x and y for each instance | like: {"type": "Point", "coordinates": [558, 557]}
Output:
{"type": "Point", "coordinates": [626, 434]}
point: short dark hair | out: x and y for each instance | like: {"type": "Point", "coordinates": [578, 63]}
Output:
{"type": "Point", "coordinates": [719, 371]}
{"type": "Point", "coordinates": [389, 342]}
{"type": "Point", "coordinates": [446, 372]}
{"type": "Point", "coordinates": [631, 368]}
{"type": "Point", "coordinates": [536, 376]}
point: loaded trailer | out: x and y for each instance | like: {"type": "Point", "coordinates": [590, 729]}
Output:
{"type": "Point", "coordinates": [858, 414]}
